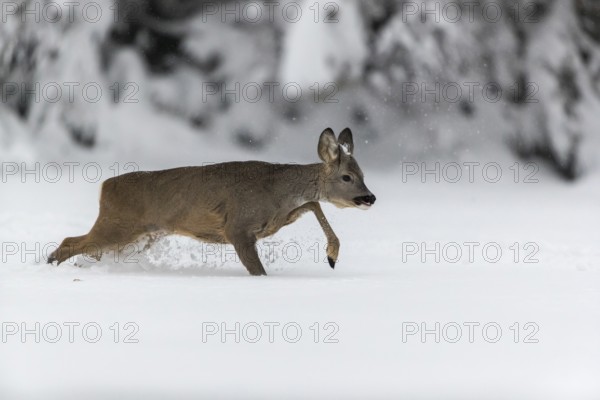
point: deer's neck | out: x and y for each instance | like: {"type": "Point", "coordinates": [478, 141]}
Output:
{"type": "Point", "coordinates": [308, 182]}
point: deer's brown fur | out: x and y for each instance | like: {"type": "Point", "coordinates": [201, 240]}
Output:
{"type": "Point", "coordinates": [235, 202]}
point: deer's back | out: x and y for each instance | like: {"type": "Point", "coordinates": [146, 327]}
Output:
{"type": "Point", "coordinates": [190, 200]}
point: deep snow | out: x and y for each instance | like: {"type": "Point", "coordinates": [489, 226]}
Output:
{"type": "Point", "coordinates": [174, 298]}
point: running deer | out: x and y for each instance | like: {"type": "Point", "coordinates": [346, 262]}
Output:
{"type": "Point", "coordinates": [234, 202]}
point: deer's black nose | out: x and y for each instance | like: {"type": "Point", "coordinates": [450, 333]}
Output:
{"type": "Point", "coordinates": [367, 200]}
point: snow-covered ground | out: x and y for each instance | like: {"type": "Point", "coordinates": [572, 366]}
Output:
{"type": "Point", "coordinates": [467, 290]}
{"type": "Point", "coordinates": [357, 322]}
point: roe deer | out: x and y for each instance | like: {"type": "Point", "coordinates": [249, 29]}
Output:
{"type": "Point", "coordinates": [234, 202]}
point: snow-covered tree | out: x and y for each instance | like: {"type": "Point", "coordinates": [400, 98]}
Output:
{"type": "Point", "coordinates": [421, 77]}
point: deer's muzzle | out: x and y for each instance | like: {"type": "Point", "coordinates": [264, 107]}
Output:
{"type": "Point", "coordinates": [365, 201]}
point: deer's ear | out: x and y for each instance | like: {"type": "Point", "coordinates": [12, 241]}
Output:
{"type": "Point", "coordinates": [328, 147]}
{"type": "Point", "coordinates": [345, 139]}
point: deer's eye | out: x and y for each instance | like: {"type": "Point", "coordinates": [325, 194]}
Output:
{"type": "Point", "coordinates": [346, 178]}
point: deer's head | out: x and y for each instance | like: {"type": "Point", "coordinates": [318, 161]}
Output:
{"type": "Point", "coordinates": [343, 183]}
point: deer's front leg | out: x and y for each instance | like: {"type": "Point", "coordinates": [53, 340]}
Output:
{"type": "Point", "coordinates": [245, 247]}
{"type": "Point", "coordinates": [333, 243]}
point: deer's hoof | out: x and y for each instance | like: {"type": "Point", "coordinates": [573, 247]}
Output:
{"type": "Point", "coordinates": [331, 262]}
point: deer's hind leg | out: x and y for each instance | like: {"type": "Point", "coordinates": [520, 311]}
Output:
{"type": "Point", "coordinates": [104, 236]}
{"type": "Point", "coordinates": [69, 247]}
